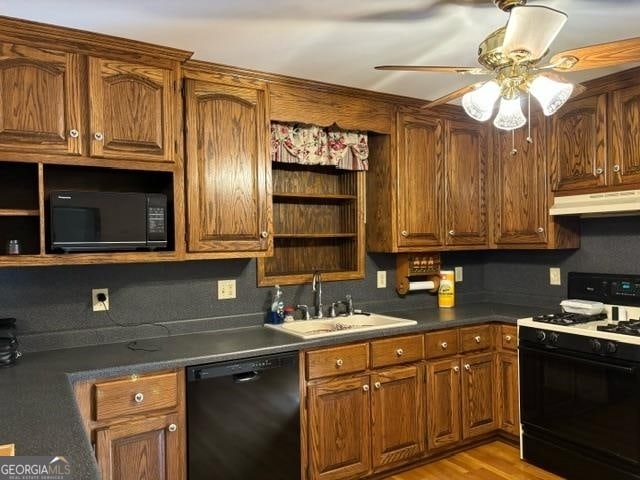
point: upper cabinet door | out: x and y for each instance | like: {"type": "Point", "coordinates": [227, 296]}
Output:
{"type": "Point", "coordinates": [227, 168]}
{"type": "Point", "coordinates": [420, 163]}
{"type": "Point", "coordinates": [465, 184]}
{"type": "Point", "coordinates": [624, 156]}
{"type": "Point", "coordinates": [131, 111]}
{"type": "Point", "coordinates": [520, 186]}
{"type": "Point", "coordinates": [578, 145]}
{"type": "Point", "coordinates": [40, 101]}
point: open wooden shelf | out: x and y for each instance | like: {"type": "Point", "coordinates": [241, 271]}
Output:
{"type": "Point", "coordinates": [315, 235]}
{"type": "Point", "coordinates": [313, 196]}
{"type": "Point", "coordinates": [17, 212]}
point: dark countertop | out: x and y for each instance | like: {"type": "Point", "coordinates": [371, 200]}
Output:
{"type": "Point", "coordinates": [37, 401]}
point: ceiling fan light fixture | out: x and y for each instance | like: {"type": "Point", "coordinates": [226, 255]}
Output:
{"type": "Point", "coordinates": [520, 36]}
{"type": "Point", "coordinates": [479, 103]}
{"type": "Point", "coordinates": [510, 116]}
{"type": "Point", "coordinates": [550, 93]}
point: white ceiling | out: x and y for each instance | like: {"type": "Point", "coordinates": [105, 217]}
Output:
{"type": "Point", "coordinates": [336, 41]}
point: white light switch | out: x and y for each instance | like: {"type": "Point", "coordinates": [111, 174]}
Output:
{"type": "Point", "coordinates": [554, 276]}
{"type": "Point", "coordinates": [226, 289]}
{"type": "Point", "coordinates": [382, 279]}
{"type": "Point", "coordinates": [458, 274]}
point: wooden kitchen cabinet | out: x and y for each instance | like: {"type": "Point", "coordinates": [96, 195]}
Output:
{"type": "Point", "coordinates": [624, 144]}
{"type": "Point", "coordinates": [228, 172]}
{"type": "Point", "coordinates": [507, 375]}
{"type": "Point", "coordinates": [577, 143]}
{"type": "Point", "coordinates": [479, 413]}
{"type": "Point", "coordinates": [137, 425]}
{"type": "Point", "coordinates": [443, 403]}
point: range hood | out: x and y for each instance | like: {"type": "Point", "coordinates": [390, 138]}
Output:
{"type": "Point", "coordinates": [598, 204]}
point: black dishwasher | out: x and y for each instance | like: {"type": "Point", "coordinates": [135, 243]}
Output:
{"type": "Point", "coordinates": [243, 419]}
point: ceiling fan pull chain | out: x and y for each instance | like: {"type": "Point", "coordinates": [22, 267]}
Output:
{"type": "Point", "coordinates": [529, 139]}
{"type": "Point", "coordinates": [514, 150]}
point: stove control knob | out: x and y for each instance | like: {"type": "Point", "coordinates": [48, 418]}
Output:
{"type": "Point", "coordinates": [596, 346]}
{"type": "Point", "coordinates": [553, 338]}
{"type": "Point", "coordinates": [611, 347]}
{"type": "Point", "coordinates": [540, 335]}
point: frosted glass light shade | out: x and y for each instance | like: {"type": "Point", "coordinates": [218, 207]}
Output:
{"type": "Point", "coordinates": [550, 94]}
{"type": "Point", "coordinates": [532, 28]}
{"type": "Point", "coordinates": [510, 115]}
{"type": "Point", "coordinates": [479, 103]}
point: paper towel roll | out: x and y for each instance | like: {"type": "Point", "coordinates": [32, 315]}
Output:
{"type": "Point", "coordinates": [425, 285]}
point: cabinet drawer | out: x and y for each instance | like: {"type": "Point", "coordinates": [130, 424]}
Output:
{"type": "Point", "coordinates": [135, 395]}
{"type": "Point", "coordinates": [394, 351]}
{"type": "Point", "coordinates": [509, 337]}
{"type": "Point", "coordinates": [337, 361]}
{"type": "Point", "coordinates": [441, 344]}
{"type": "Point", "coordinates": [475, 338]}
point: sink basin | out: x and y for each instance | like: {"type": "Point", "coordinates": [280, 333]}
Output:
{"type": "Point", "coordinates": [308, 329]}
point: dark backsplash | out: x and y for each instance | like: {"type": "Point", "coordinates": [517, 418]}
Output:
{"type": "Point", "coordinates": [52, 304]}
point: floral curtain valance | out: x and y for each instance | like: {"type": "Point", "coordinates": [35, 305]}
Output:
{"type": "Point", "coordinates": [313, 145]}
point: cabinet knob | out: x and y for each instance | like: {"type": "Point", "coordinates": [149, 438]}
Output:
{"type": "Point", "coordinates": [377, 385]}
{"type": "Point", "coordinates": [616, 168]}
{"type": "Point", "coordinates": [456, 369]}
{"type": "Point", "coordinates": [599, 171]}
{"type": "Point", "coordinates": [477, 338]}
{"type": "Point", "coordinates": [173, 427]}
{"type": "Point", "coordinates": [404, 233]}
{"type": "Point", "coordinates": [540, 230]}
{"type": "Point", "coordinates": [444, 345]}
{"type": "Point", "coordinates": [467, 367]}
{"type": "Point", "coordinates": [339, 362]}
{"type": "Point", "coordinates": [507, 338]}
{"type": "Point", "coordinates": [73, 133]}
{"type": "Point", "coordinates": [365, 388]}
{"type": "Point", "coordinates": [98, 136]}
{"type": "Point", "coordinates": [399, 352]}
{"type": "Point", "coordinates": [138, 397]}
{"type": "Point", "coordinates": [452, 233]}
{"type": "Point", "coordinates": [264, 234]}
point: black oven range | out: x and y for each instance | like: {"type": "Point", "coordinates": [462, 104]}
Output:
{"type": "Point", "coordinates": [580, 383]}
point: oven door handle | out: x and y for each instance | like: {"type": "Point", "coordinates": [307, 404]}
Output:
{"type": "Point", "coordinates": [630, 370]}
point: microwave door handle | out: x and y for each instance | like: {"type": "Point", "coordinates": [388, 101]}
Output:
{"type": "Point", "coordinates": [629, 370]}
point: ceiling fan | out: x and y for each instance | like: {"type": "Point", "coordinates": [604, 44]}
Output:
{"type": "Point", "coordinates": [513, 56]}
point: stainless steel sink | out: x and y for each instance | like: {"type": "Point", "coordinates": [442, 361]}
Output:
{"type": "Point", "coordinates": [308, 329]}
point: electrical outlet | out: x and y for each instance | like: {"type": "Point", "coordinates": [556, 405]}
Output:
{"type": "Point", "coordinates": [226, 289]}
{"type": "Point", "coordinates": [458, 274]}
{"type": "Point", "coordinates": [554, 276]}
{"type": "Point", "coordinates": [382, 279]}
{"type": "Point", "coordinates": [99, 306]}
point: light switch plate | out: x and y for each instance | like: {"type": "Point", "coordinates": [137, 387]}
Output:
{"type": "Point", "coordinates": [226, 289]}
{"type": "Point", "coordinates": [554, 276]}
{"type": "Point", "coordinates": [458, 274]}
{"type": "Point", "coordinates": [382, 279]}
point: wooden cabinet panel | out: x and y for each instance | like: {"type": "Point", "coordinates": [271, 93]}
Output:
{"type": "Point", "coordinates": [465, 184]}
{"type": "Point", "coordinates": [337, 361]}
{"type": "Point", "coordinates": [149, 449]}
{"type": "Point", "coordinates": [131, 111]}
{"type": "Point", "coordinates": [509, 338]}
{"type": "Point", "coordinates": [478, 395]}
{"type": "Point", "coordinates": [397, 350]}
{"type": "Point", "coordinates": [520, 188]}
{"type": "Point", "coordinates": [578, 147]}
{"type": "Point", "coordinates": [624, 121]}
{"type": "Point", "coordinates": [396, 415]}
{"type": "Point", "coordinates": [227, 169]}
{"type": "Point", "coordinates": [339, 428]}
{"type": "Point", "coordinates": [509, 414]}
{"type": "Point", "coordinates": [475, 338]}
{"type": "Point", "coordinates": [441, 343]}
{"type": "Point", "coordinates": [420, 163]}
{"type": "Point", "coordinates": [41, 102]}
{"type": "Point", "coordinates": [443, 403]}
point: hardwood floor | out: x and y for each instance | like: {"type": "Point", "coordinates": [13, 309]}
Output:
{"type": "Point", "coordinates": [493, 461]}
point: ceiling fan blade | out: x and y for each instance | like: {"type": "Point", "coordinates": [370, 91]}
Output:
{"type": "Point", "coordinates": [436, 69]}
{"type": "Point", "coordinates": [452, 96]}
{"type": "Point", "coordinates": [532, 29]}
{"type": "Point", "coordinates": [598, 56]}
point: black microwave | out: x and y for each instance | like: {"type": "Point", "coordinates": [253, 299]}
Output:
{"type": "Point", "coordinates": [105, 221]}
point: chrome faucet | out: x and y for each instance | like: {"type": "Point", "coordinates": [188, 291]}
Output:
{"type": "Point", "coordinates": [317, 294]}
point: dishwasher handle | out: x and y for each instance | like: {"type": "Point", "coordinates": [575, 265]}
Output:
{"type": "Point", "coordinates": [246, 377]}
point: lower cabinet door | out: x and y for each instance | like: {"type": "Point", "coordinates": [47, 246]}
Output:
{"type": "Point", "coordinates": [149, 449]}
{"type": "Point", "coordinates": [478, 395]}
{"type": "Point", "coordinates": [508, 393]}
{"type": "Point", "coordinates": [443, 403]}
{"type": "Point", "coordinates": [396, 413]}
{"type": "Point", "coordinates": [339, 428]}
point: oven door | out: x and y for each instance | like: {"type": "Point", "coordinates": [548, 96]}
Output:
{"type": "Point", "coordinates": [588, 402]}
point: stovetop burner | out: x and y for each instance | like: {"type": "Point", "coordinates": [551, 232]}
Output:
{"type": "Point", "coordinates": [566, 318]}
{"type": "Point", "coordinates": [630, 327]}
